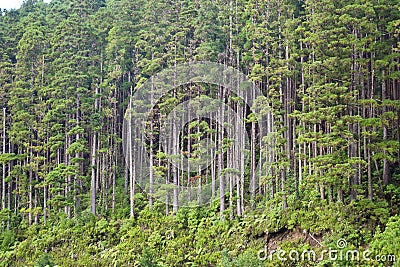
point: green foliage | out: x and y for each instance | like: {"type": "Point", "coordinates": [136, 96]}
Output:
{"type": "Point", "coordinates": [196, 237]}
{"type": "Point", "coordinates": [387, 243]}
{"type": "Point", "coordinates": [147, 259]}
{"type": "Point", "coordinates": [7, 240]}
{"type": "Point", "coordinates": [247, 258]}
{"type": "Point", "coordinates": [45, 261]}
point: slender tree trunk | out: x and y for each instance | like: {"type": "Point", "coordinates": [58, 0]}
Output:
{"type": "Point", "coordinates": [30, 187]}
{"type": "Point", "coordinates": [221, 157]}
{"type": "Point", "coordinates": [132, 166]}
{"type": "Point", "coordinates": [175, 172]}
{"type": "Point", "coordinates": [3, 187]}
{"type": "Point", "coordinates": [253, 165]}
{"type": "Point", "coordinates": [93, 176]}
{"type": "Point", "coordinates": [45, 204]}
{"type": "Point", "coordinates": [151, 136]}
{"type": "Point", "coordinates": [386, 172]}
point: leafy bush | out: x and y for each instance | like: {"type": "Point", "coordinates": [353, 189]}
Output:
{"type": "Point", "coordinates": [7, 239]}
{"type": "Point", "coordinates": [388, 242]}
{"type": "Point", "coordinates": [45, 261]}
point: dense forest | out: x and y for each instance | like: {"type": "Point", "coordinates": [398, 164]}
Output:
{"type": "Point", "coordinates": [82, 185]}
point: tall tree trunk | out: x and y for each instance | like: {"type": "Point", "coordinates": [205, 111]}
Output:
{"type": "Point", "coordinates": [30, 185]}
{"type": "Point", "coordinates": [386, 171]}
{"type": "Point", "coordinates": [3, 187]}
{"type": "Point", "coordinates": [93, 175]}
{"type": "Point", "coordinates": [132, 166]}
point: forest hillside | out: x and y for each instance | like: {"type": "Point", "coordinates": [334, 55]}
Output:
{"type": "Point", "coordinates": [200, 133]}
